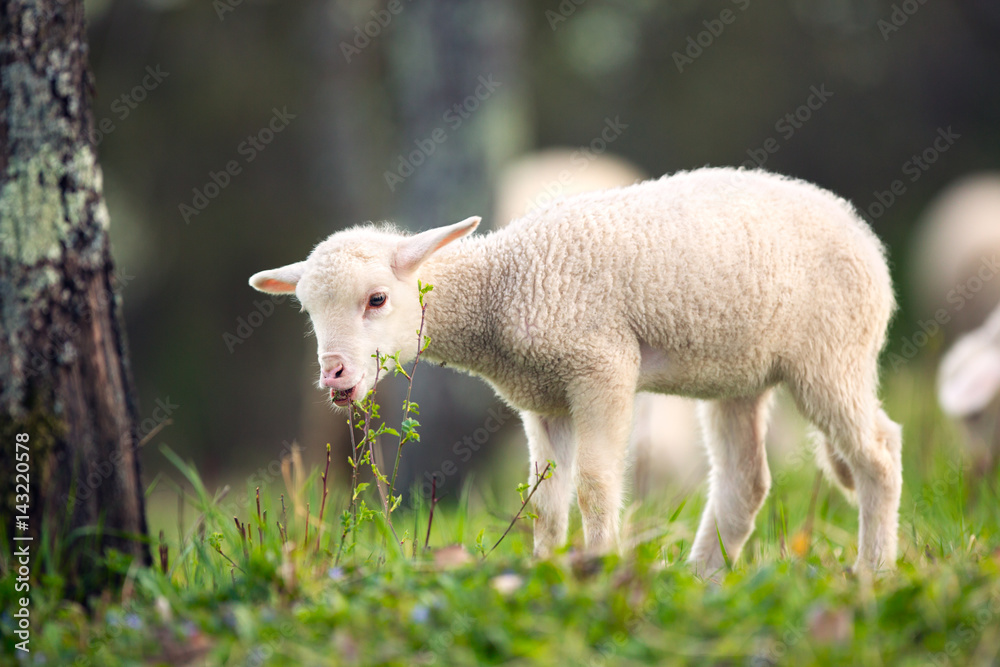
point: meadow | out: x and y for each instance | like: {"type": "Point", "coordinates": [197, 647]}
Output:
{"type": "Point", "coordinates": [281, 586]}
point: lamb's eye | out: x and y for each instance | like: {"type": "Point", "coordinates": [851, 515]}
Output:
{"type": "Point", "coordinates": [377, 300]}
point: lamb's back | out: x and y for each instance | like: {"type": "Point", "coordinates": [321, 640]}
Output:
{"type": "Point", "coordinates": [712, 264]}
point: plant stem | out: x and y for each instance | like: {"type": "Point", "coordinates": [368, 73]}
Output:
{"type": "Point", "coordinates": [219, 551]}
{"type": "Point", "coordinates": [430, 519]}
{"type": "Point", "coordinates": [368, 438]}
{"type": "Point", "coordinates": [354, 475]}
{"type": "Point", "coordinates": [260, 521]}
{"type": "Point", "coordinates": [409, 388]}
{"type": "Point", "coordinates": [322, 507]}
{"type": "Point", "coordinates": [540, 478]}
{"type": "Point", "coordinates": [305, 540]}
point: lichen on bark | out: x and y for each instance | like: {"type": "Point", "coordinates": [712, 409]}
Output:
{"type": "Point", "coordinates": [31, 210]}
{"type": "Point", "coordinates": [64, 377]}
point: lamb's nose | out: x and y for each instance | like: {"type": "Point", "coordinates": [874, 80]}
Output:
{"type": "Point", "coordinates": [332, 373]}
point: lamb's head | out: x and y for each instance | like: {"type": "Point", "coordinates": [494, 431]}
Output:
{"type": "Point", "coordinates": [359, 287]}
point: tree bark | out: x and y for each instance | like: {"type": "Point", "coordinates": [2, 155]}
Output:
{"type": "Point", "coordinates": [64, 375]}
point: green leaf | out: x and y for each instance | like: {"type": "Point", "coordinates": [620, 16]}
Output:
{"type": "Point", "coordinates": [677, 512]}
{"type": "Point", "coordinates": [423, 289]}
{"type": "Point", "coordinates": [361, 487]}
{"type": "Point", "coordinates": [409, 425]}
{"type": "Point", "coordinates": [725, 556]}
{"type": "Point", "coordinates": [480, 546]}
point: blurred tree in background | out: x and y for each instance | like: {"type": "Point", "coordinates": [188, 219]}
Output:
{"type": "Point", "coordinates": [843, 93]}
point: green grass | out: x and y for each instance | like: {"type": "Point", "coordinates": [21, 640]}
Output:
{"type": "Point", "coordinates": [788, 598]}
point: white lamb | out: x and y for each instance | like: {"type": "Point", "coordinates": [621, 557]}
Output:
{"type": "Point", "coordinates": [955, 283]}
{"type": "Point", "coordinates": [715, 283]}
{"type": "Point", "coordinates": [968, 387]}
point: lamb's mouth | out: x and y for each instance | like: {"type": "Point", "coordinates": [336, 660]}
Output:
{"type": "Point", "coordinates": [343, 396]}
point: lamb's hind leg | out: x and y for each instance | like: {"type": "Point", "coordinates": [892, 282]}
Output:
{"type": "Point", "coordinates": [550, 438]}
{"type": "Point", "coordinates": [739, 478]}
{"type": "Point", "coordinates": [863, 438]}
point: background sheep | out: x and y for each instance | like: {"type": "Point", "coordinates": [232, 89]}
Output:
{"type": "Point", "coordinates": [570, 311]}
{"type": "Point", "coordinates": [954, 270]}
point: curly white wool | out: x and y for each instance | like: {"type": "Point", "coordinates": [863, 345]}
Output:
{"type": "Point", "coordinates": [716, 284]}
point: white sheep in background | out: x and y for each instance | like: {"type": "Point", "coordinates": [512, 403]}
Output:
{"type": "Point", "coordinates": [955, 269]}
{"type": "Point", "coordinates": [959, 236]}
{"type": "Point", "coordinates": [968, 385]}
{"type": "Point", "coordinates": [715, 283]}
{"type": "Point", "coordinates": [536, 180]}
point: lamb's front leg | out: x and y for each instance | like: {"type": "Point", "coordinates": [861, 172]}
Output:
{"type": "Point", "coordinates": [550, 438]}
{"type": "Point", "coordinates": [602, 421]}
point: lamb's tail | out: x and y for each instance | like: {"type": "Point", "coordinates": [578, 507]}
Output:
{"type": "Point", "coordinates": [889, 436]}
{"type": "Point", "coordinates": [833, 465]}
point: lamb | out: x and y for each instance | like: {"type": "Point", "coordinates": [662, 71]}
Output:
{"type": "Point", "coordinates": [955, 246]}
{"type": "Point", "coordinates": [954, 273]}
{"type": "Point", "coordinates": [968, 388]}
{"type": "Point", "coordinates": [715, 284]}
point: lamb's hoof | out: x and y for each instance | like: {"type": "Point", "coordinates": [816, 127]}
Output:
{"type": "Point", "coordinates": [586, 565]}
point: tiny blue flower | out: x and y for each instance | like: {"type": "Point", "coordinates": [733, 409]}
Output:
{"type": "Point", "coordinates": [335, 573]}
{"type": "Point", "coordinates": [133, 621]}
{"type": "Point", "coordinates": [420, 614]}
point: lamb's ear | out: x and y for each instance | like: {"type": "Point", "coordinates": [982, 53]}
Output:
{"type": "Point", "coordinates": [278, 281]}
{"type": "Point", "coordinates": [413, 250]}
{"type": "Point", "coordinates": [969, 377]}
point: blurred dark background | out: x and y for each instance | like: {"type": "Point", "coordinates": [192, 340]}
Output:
{"type": "Point", "coordinates": [320, 110]}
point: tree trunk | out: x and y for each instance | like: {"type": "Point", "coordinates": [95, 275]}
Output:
{"type": "Point", "coordinates": [64, 376]}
